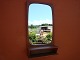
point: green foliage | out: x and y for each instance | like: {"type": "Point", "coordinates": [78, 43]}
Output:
{"type": "Point", "coordinates": [33, 26]}
{"type": "Point", "coordinates": [44, 24]}
{"type": "Point", "coordinates": [49, 36]}
{"type": "Point", "coordinates": [37, 38]}
{"type": "Point", "coordinates": [32, 36]}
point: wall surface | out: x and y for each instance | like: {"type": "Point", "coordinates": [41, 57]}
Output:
{"type": "Point", "coordinates": [13, 30]}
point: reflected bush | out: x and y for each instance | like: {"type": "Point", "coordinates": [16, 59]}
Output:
{"type": "Point", "coordinates": [48, 38]}
{"type": "Point", "coordinates": [32, 36]}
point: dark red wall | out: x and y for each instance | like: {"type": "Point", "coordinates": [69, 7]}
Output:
{"type": "Point", "coordinates": [13, 30]}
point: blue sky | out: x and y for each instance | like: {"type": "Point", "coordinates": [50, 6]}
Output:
{"type": "Point", "coordinates": [39, 14]}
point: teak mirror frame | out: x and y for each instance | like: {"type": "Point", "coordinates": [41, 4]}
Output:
{"type": "Point", "coordinates": [33, 50]}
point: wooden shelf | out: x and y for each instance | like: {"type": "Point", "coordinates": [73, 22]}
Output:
{"type": "Point", "coordinates": [42, 50]}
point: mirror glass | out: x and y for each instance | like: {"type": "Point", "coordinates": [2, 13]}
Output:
{"type": "Point", "coordinates": [40, 24]}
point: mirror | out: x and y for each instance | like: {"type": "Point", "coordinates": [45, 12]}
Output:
{"type": "Point", "coordinates": [40, 24]}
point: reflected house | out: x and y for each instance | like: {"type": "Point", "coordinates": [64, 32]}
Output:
{"type": "Point", "coordinates": [46, 28]}
{"type": "Point", "coordinates": [43, 31]}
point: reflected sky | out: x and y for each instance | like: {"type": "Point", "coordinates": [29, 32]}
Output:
{"type": "Point", "coordinates": [39, 14]}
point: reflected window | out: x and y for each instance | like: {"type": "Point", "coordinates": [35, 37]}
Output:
{"type": "Point", "coordinates": [40, 24]}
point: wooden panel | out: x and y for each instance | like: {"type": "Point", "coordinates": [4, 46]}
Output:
{"type": "Point", "coordinates": [42, 50]}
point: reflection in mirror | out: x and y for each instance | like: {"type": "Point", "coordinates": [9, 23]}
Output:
{"type": "Point", "coordinates": [40, 24]}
